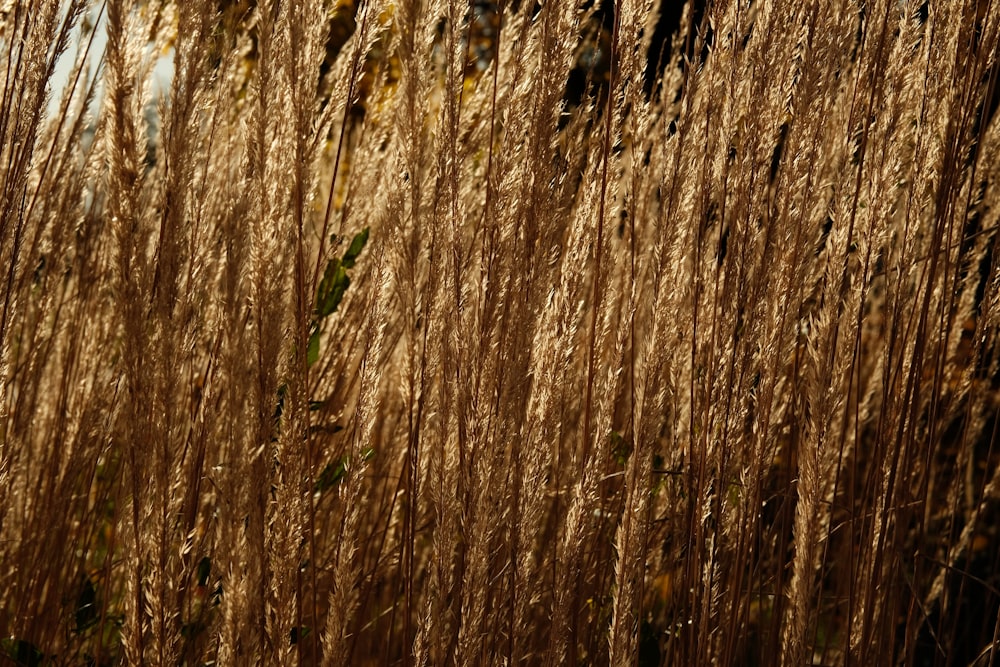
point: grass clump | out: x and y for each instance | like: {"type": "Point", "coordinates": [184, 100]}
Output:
{"type": "Point", "coordinates": [429, 332]}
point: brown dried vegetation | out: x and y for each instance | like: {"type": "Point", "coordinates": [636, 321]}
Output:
{"type": "Point", "coordinates": [365, 344]}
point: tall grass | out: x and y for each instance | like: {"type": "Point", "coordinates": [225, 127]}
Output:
{"type": "Point", "coordinates": [369, 342]}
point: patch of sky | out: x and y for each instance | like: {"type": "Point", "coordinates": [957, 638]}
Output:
{"type": "Point", "coordinates": [89, 41]}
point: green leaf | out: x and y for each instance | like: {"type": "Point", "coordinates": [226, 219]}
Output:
{"type": "Point", "coordinates": [332, 474]}
{"type": "Point", "coordinates": [621, 449]}
{"type": "Point", "coordinates": [357, 245]}
{"type": "Point", "coordinates": [331, 289]}
{"type": "Point", "coordinates": [312, 354]}
{"type": "Point", "coordinates": [326, 428]}
{"type": "Point", "coordinates": [326, 285]}
{"type": "Point", "coordinates": [335, 280]}
{"type": "Point", "coordinates": [335, 471]}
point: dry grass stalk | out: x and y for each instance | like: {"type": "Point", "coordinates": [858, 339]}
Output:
{"type": "Point", "coordinates": [373, 338]}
